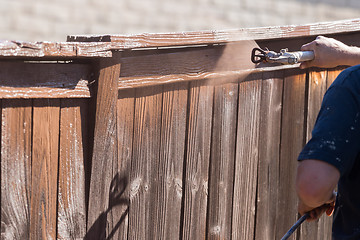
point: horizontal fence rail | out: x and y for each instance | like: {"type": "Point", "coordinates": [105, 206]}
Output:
{"type": "Point", "coordinates": [190, 142]}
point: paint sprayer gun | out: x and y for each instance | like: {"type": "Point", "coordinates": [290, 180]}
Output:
{"type": "Point", "coordinates": [284, 57]}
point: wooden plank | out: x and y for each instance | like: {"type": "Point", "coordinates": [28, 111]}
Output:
{"type": "Point", "coordinates": [332, 75]}
{"type": "Point", "coordinates": [118, 216]}
{"type": "Point", "coordinates": [45, 148]}
{"type": "Point", "coordinates": [292, 141]}
{"type": "Point", "coordinates": [221, 178]}
{"type": "Point", "coordinates": [16, 116]}
{"type": "Point", "coordinates": [316, 90]}
{"type": "Point", "coordinates": [40, 80]}
{"type": "Point", "coordinates": [169, 175]}
{"type": "Point", "coordinates": [71, 215]}
{"type": "Point", "coordinates": [197, 161]}
{"type": "Point", "coordinates": [144, 167]}
{"type": "Point", "coordinates": [269, 155]}
{"type": "Point", "coordinates": [215, 78]}
{"type": "Point", "coordinates": [104, 148]}
{"type": "Point", "coordinates": [40, 50]}
{"type": "Point", "coordinates": [147, 40]}
{"type": "Point", "coordinates": [243, 222]}
{"type": "Point", "coordinates": [192, 64]}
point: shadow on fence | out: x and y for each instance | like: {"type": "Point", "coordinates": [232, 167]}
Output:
{"type": "Point", "coordinates": [116, 198]}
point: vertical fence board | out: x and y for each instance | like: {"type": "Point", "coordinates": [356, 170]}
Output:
{"type": "Point", "coordinates": [292, 138]}
{"type": "Point", "coordinates": [71, 196]}
{"type": "Point", "coordinates": [332, 74]}
{"type": "Point", "coordinates": [170, 165]}
{"type": "Point", "coordinates": [246, 158]}
{"type": "Point", "coordinates": [316, 91]}
{"type": "Point", "coordinates": [269, 149]}
{"type": "Point", "coordinates": [15, 168]}
{"type": "Point", "coordinates": [197, 161]}
{"type": "Point", "coordinates": [144, 163]}
{"type": "Point", "coordinates": [121, 169]}
{"type": "Point", "coordinates": [104, 150]}
{"type": "Point", "coordinates": [44, 169]}
{"type": "Point", "coordinates": [221, 179]}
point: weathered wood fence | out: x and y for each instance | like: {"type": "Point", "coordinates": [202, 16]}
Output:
{"type": "Point", "coordinates": [156, 136]}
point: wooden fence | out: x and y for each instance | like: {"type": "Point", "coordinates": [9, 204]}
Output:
{"type": "Point", "coordinates": [157, 136]}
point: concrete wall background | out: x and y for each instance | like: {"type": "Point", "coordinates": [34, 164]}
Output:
{"type": "Point", "coordinates": [53, 20]}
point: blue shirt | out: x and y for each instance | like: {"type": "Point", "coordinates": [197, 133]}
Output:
{"type": "Point", "coordinates": [336, 140]}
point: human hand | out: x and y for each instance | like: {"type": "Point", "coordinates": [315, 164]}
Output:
{"type": "Point", "coordinates": [328, 53]}
{"type": "Point", "coordinates": [315, 213]}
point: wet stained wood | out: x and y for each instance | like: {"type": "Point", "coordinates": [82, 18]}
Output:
{"type": "Point", "coordinates": [218, 64]}
{"type": "Point", "coordinates": [147, 40]}
{"type": "Point", "coordinates": [316, 90]}
{"type": "Point", "coordinates": [144, 166]}
{"type": "Point", "coordinates": [269, 150]}
{"type": "Point", "coordinates": [45, 149]}
{"type": "Point", "coordinates": [104, 148]}
{"type": "Point", "coordinates": [120, 205]}
{"type": "Point", "coordinates": [292, 141]}
{"type": "Point", "coordinates": [197, 155]}
{"type": "Point", "coordinates": [40, 80]}
{"type": "Point", "coordinates": [16, 131]}
{"type": "Point", "coordinates": [222, 163]}
{"type": "Point", "coordinates": [169, 189]}
{"type": "Point", "coordinates": [247, 154]}
{"type": "Point", "coordinates": [71, 212]}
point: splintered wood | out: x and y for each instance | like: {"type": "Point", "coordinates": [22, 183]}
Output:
{"type": "Point", "coordinates": [44, 80]}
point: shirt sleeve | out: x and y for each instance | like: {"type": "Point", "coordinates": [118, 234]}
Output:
{"type": "Point", "coordinates": [336, 134]}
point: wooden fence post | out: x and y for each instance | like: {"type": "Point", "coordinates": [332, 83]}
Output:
{"type": "Point", "coordinates": [105, 147]}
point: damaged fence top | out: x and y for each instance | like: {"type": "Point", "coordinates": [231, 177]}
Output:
{"type": "Point", "coordinates": [53, 49]}
{"type": "Point", "coordinates": [85, 46]}
{"type": "Point", "coordinates": [148, 40]}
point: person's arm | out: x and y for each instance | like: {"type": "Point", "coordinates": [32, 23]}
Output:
{"type": "Point", "coordinates": [331, 53]}
{"type": "Point", "coordinates": [315, 184]}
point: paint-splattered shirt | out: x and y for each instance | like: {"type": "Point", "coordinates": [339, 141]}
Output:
{"type": "Point", "coordinates": [336, 140]}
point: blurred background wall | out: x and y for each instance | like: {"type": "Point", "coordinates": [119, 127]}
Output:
{"type": "Point", "coordinates": [53, 20]}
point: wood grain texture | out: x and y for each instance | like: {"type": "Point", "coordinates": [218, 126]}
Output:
{"type": "Point", "coordinates": [144, 166]}
{"type": "Point", "coordinates": [269, 156]}
{"type": "Point", "coordinates": [169, 174]}
{"type": "Point", "coordinates": [292, 141]}
{"type": "Point", "coordinates": [71, 214]}
{"type": "Point", "coordinates": [197, 161]}
{"type": "Point", "coordinates": [217, 64]}
{"type": "Point", "coordinates": [222, 163]}
{"type": "Point", "coordinates": [316, 90]}
{"type": "Point", "coordinates": [332, 75]}
{"type": "Point", "coordinates": [147, 40]}
{"type": "Point", "coordinates": [36, 80]}
{"type": "Point", "coordinates": [16, 131]}
{"type": "Point", "coordinates": [247, 154]}
{"type": "Point", "coordinates": [44, 181]}
{"type": "Point", "coordinates": [118, 218]}
{"type": "Point", "coordinates": [40, 50]}
{"type": "Point", "coordinates": [104, 148]}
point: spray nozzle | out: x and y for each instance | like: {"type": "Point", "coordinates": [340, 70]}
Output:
{"type": "Point", "coordinates": [284, 57]}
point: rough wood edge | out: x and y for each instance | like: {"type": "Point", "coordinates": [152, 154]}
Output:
{"type": "Point", "coordinates": [18, 49]}
{"type": "Point", "coordinates": [87, 46]}
{"type": "Point", "coordinates": [147, 40]}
